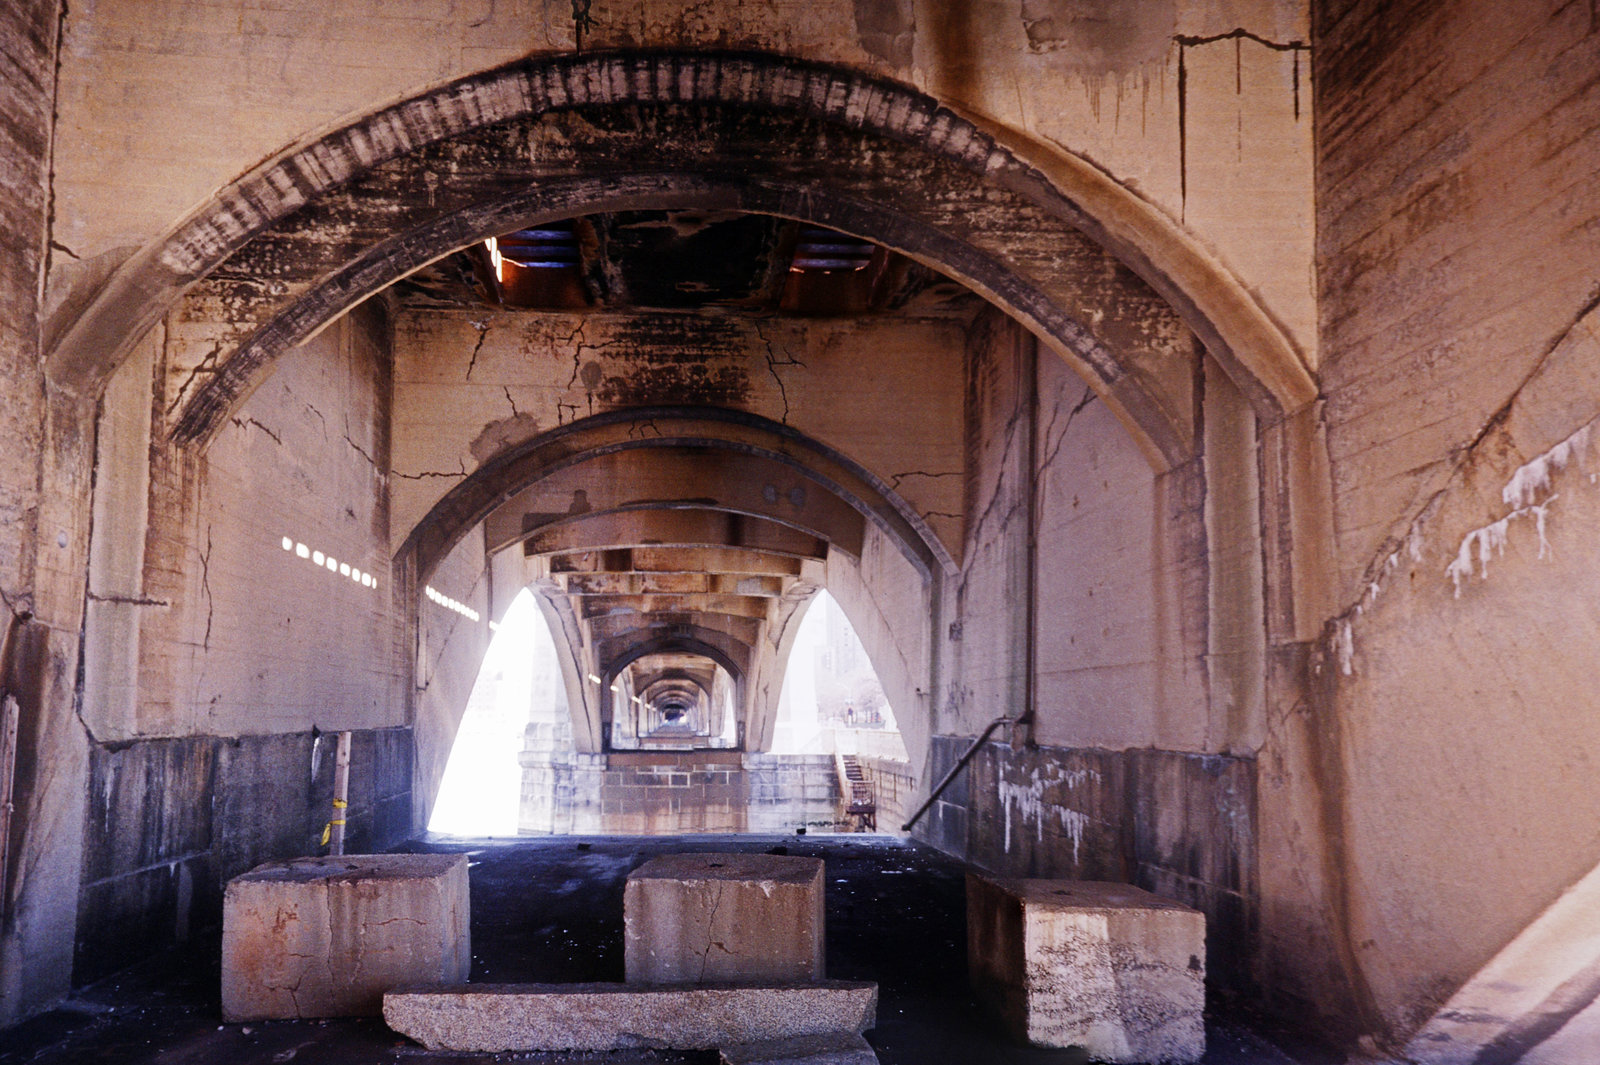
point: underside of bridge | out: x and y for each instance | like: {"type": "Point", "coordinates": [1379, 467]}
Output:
{"type": "Point", "coordinates": [1204, 387]}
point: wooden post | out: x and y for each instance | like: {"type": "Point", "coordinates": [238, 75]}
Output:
{"type": "Point", "coordinates": [9, 714]}
{"type": "Point", "coordinates": [341, 794]}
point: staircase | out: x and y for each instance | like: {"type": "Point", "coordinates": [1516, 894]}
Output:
{"type": "Point", "coordinates": [862, 802]}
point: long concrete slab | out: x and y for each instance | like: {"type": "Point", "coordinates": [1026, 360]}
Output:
{"type": "Point", "coordinates": [506, 1017]}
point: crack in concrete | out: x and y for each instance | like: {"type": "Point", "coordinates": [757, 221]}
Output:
{"type": "Point", "coordinates": [482, 326]}
{"type": "Point", "coordinates": [896, 478]}
{"type": "Point", "coordinates": [773, 362]}
{"type": "Point", "coordinates": [711, 923]}
{"type": "Point", "coordinates": [430, 473]}
{"type": "Point", "coordinates": [50, 243]}
{"type": "Point", "coordinates": [244, 423]}
{"type": "Point", "coordinates": [205, 586]}
{"type": "Point", "coordinates": [582, 344]}
{"type": "Point", "coordinates": [1055, 449]}
{"type": "Point", "coordinates": [207, 364]}
{"type": "Point", "coordinates": [127, 600]}
{"type": "Point", "coordinates": [637, 427]}
{"type": "Point", "coordinates": [357, 447]}
{"type": "Point", "coordinates": [507, 390]}
{"type": "Point", "coordinates": [1386, 561]}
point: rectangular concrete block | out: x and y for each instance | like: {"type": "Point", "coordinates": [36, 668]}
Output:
{"type": "Point", "coordinates": [834, 1048]}
{"type": "Point", "coordinates": [326, 937]}
{"type": "Point", "coordinates": [509, 1017]}
{"type": "Point", "coordinates": [1074, 963]}
{"type": "Point", "coordinates": [729, 918]}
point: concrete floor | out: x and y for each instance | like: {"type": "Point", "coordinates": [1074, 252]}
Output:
{"type": "Point", "coordinates": [550, 910]}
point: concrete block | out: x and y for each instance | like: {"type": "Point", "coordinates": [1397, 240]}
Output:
{"type": "Point", "coordinates": [731, 918]}
{"type": "Point", "coordinates": [1106, 967]}
{"type": "Point", "coordinates": [508, 1017]}
{"type": "Point", "coordinates": [326, 937]}
{"type": "Point", "coordinates": [834, 1048]}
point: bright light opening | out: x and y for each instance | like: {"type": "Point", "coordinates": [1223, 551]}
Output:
{"type": "Point", "coordinates": [482, 785]}
{"type": "Point", "coordinates": [832, 701]}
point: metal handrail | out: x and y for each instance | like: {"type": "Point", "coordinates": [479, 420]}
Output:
{"type": "Point", "coordinates": [961, 763]}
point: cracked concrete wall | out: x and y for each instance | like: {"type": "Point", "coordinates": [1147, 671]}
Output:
{"type": "Point", "coordinates": [1149, 634]}
{"type": "Point", "coordinates": [468, 385]}
{"type": "Point", "coordinates": [1459, 236]}
{"type": "Point", "coordinates": [217, 660]}
{"type": "Point", "coordinates": [27, 39]}
{"type": "Point", "coordinates": [1207, 119]}
{"type": "Point", "coordinates": [1122, 571]}
{"type": "Point", "coordinates": [37, 893]}
{"type": "Point", "coordinates": [1117, 662]}
{"type": "Point", "coordinates": [196, 605]}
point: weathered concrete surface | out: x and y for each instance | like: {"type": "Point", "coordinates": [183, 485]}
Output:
{"type": "Point", "coordinates": [724, 918]}
{"type": "Point", "coordinates": [667, 793]}
{"type": "Point", "coordinates": [1457, 722]}
{"type": "Point", "coordinates": [213, 606]}
{"type": "Point", "coordinates": [1106, 967]}
{"type": "Point", "coordinates": [502, 1017]}
{"type": "Point", "coordinates": [179, 817]}
{"type": "Point", "coordinates": [37, 630]}
{"type": "Point", "coordinates": [1243, 66]}
{"type": "Point", "coordinates": [327, 937]}
{"type": "Point", "coordinates": [1180, 825]}
{"type": "Point", "coordinates": [1540, 985]}
{"type": "Point", "coordinates": [843, 1048]}
{"type": "Point", "coordinates": [469, 384]}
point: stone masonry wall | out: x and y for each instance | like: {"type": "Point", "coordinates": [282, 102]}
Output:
{"type": "Point", "coordinates": [674, 792]}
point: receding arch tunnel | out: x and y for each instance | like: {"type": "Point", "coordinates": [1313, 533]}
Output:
{"type": "Point", "coordinates": [799, 329]}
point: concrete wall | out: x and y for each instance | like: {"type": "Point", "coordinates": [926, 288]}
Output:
{"type": "Point", "coordinates": [894, 787]}
{"type": "Point", "coordinates": [200, 621]}
{"type": "Point", "coordinates": [35, 670]}
{"type": "Point", "coordinates": [1181, 825]}
{"type": "Point", "coordinates": [27, 58]}
{"type": "Point", "coordinates": [214, 654]}
{"type": "Point", "coordinates": [1459, 235]}
{"type": "Point", "coordinates": [470, 384]}
{"type": "Point", "coordinates": [1128, 781]}
{"type": "Point", "coordinates": [170, 821]}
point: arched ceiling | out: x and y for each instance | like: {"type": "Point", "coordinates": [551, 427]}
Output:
{"type": "Point", "coordinates": [685, 535]}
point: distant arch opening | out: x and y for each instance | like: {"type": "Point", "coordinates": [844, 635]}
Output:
{"type": "Point", "coordinates": [518, 701]}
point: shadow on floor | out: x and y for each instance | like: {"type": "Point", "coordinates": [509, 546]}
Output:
{"type": "Point", "coordinates": [550, 911]}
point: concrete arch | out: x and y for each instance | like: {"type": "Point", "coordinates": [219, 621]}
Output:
{"type": "Point", "coordinates": [684, 644]}
{"type": "Point", "coordinates": [301, 182]}
{"type": "Point", "coordinates": [743, 437]}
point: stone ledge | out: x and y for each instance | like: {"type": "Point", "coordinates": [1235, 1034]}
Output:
{"type": "Point", "coordinates": [508, 1017]}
